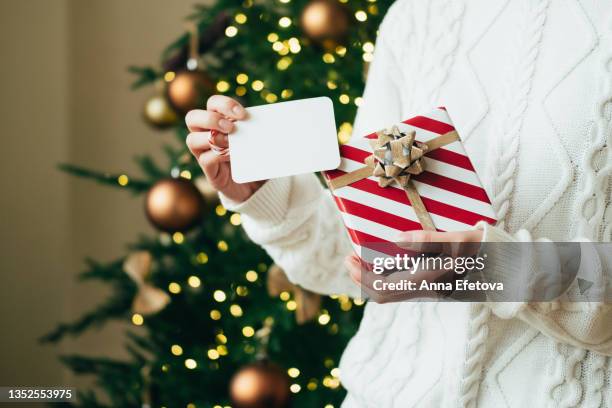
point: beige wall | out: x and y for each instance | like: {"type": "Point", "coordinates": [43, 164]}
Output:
{"type": "Point", "coordinates": [65, 97]}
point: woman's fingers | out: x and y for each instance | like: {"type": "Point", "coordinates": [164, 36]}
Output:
{"type": "Point", "coordinates": [199, 120]}
{"type": "Point", "coordinates": [450, 243]}
{"type": "Point", "coordinates": [198, 142]}
{"type": "Point", "coordinates": [226, 106]}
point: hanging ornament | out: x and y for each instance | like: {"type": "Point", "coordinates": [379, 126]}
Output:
{"type": "Point", "coordinates": [208, 192]}
{"type": "Point", "coordinates": [325, 21]}
{"type": "Point", "coordinates": [158, 112]}
{"type": "Point", "coordinates": [191, 88]}
{"type": "Point", "coordinates": [174, 205]}
{"type": "Point", "coordinates": [149, 299]}
{"type": "Point", "coordinates": [308, 303]}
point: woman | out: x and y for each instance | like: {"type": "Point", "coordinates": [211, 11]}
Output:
{"type": "Point", "coordinates": [528, 84]}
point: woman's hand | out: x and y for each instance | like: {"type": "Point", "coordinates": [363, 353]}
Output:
{"type": "Point", "coordinates": [219, 117]}
{"type": "Point", "coordinates": [462, 243]}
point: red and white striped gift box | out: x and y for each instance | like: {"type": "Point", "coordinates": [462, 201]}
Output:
{"type": "Point", "coordinates": [449, 188]}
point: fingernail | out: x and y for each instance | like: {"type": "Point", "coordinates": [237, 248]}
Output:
{"type": "Point", "coordinates": [225, 124]}
{"type": "Point", "coordinates": [238, 110]}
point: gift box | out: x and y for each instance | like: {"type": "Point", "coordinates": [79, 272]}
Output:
{"type": "Point", "coordinates": [415, 175]}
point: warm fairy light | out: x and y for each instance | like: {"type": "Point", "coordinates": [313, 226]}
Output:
{"type": "Point", "coordinates": [242, 291]}
{"type": "Point", "coordinates": [190, 363]}
{"type": "Point", "coordinates": [220, 210]}
{"type": "Point", "coordinates": [221, 338]}
{"type": "Point", "coordinates": [335, 372]}
{"type": "Point", "coordinates": [137, 319]}
{"type": "Point", "coordinates": [194, 281]}
{"type": "Point", "coordinates": [222, 245]}
{"type": "Point", "coordinates": [201, 258]}
{"type": "Point", "coordinates": [312, 385]}
{"type": "Point", "coordinates": [344, 99]}
{"type": "Point", "coordinates": [346, 306]}
{"type": "Point", "coordinates": [212, 354]}
{"type": "Point", "coordinates": [341, 50]}
{"type": "Point", "coordinates": [368, 56]}
{"type": "Point", "coordinates": [123, 180]}
{"type": "Point", "coordinates": [358, 101]}
{"type": "Point", "coordinates": [332, 85]}
{"type": "Point", "coordinates": [284, 22]}
{"type": "Point", "coordinates": [240, 18]}
{"type": "Point", "coordinates": [241, 91]}
{"type": "Point", "coordinates": [295, 388]}
{"type": "Point", "coordinates": [251, 276]}
{"type": "Point", "coordinates": [272, 37]}
{"type": "Point", "coordinates": [284, 63]}
{"type": "Point", "coordinates": [277, 46]}
{"type": "Point", "coordinates": [271, 98]}
{"type": "Point", "coordinates": [223, 86]}
{"type": "Point", "coordinates": [291, 305]}
{"type": "Point", "coordinates": [242, 78]}
{"type": "Point", "coordinates": [257, 85]}
{"type": "Point", "coordinates": [344, 133]}
{"type": "Point", "coordinates": [222, 350]}
{"type": "Point", "coordinates": [186, 174]}
{"type": "Point", "coordinates": [231, 31]}
{"type": "Point", "coordinates": [286, 93]}
{"type": "Point", "coordinates": [236, 310]}
{"type": "Point", "coordinates": [329, 406]}
{"type": "Point", "coordinates": [176, 350]}
{"type": "Point", "coordinates": [285, 296]}
{"type": "Point", "coordinates": [235, 219]}
{"type": "Point", "coordinates": [178, 237]}
{"type": "Point", "coordinates": [324, 318]}
{"type": "Point", "coordinates": [219, 295]}
{"type": "Point", "coordinates": [285, 1]}
{"type": "Point", "coordinates": [215, 314]}
{"type": "Point", "coordinates": [328, 58]}
{"type": "Point", "coordinates": [248, 331]}
{"type": "Point", "coordinates": [334, 328]}
{"type": "Point", "coordinates": [373, 9]}
{"type": "Point", "coordinates": [294, 45]}
{"type": "Point", "coordinates": [169, 76]}
{"type": "Point", "coordinates": [165, 368]}
{"type": "Point", "coordinates": [293, 372]}
{"type": "Point", "coordinates": [358, 302]}
{"type": "Point", "coordinates": [191, 405]}
{"type": "Point", "coordinates": [174, 287]}
{"type": "Point", "coordinates": [361, 15]}
{"type": "Point", "coordinates": [368, 47]}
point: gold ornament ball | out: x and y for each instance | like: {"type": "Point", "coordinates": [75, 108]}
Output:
{"type": "Point", "coordinates": [189, 90]}
{"type": "Point", "coordinates": [324, 20]}
{"type": "Point", "coordinates": [173, 205]}
{"type": "Point", "coordinates": [260, 385]}
{"type": "Point", "coordinates": [158, 112]}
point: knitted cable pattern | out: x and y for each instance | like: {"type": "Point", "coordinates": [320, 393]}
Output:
{"type": "Point", "coordinates": [595, 395]}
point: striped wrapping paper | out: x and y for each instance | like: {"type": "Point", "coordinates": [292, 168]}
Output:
{"type": "Point", "coordinates": [449, 187]}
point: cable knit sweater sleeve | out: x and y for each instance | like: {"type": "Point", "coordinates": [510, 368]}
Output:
{"type": "Point", "coordinates": [295, 219]}
{"type": "Point", "coordinates": [571, 318]}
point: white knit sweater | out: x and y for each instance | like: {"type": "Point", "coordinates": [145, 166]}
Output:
{"type": "Point", "coordinates": [529, 86]}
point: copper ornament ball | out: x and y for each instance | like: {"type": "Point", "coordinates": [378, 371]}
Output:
{"type": "Point", "coordinates": [324, 20]}
{"type": "Point", "coordinates": [158, 112]}
{"type": "Point", "coordinates": [260, 385]}
{"type": "Point", "coordinates": [173, 205]}
{"type": "Point", "coordinates": [189, 90]}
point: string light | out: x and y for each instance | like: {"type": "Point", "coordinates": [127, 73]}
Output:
{"type": "Point", "coordinates": [272, 37]}
{"type": "Point", "coordinates": [215, 314]}
{"type": "Point", "coordinates": [284, 22]}
{"type": "Point", "coordinates": [277, 46]}
{"type": "Point", "coordinates": [344, 132]}
{"type": "Point", "coordinates": [174, 287]}
{"type": "Point", "coordinates": [373, 9]}
{"type": "Point", "coordinates": [251, 276]}
{"type": "Point", "coordinates": [231, 31]}
{"type": "Point", "coordinates": [235, 219]}
{"type": "Point", "coordinates": [178, 238]}
{"type": "Point", "coordinates": [341, 50]}
{"type": "Point", "coordinates": [257, 85]}
{"type": "Point", "coordinates": [312, 385]}
{"type": "Point", "coordinates": [236, 310]}
{"type": "Point", "coordinates": [291, 305]}
{"type": "Point", "coordinates": [240, 18]}
{"type": "Point", "coordinates": [248, 331]}
{"type": "Point", "coordinates": [223, 86]}
{"type": "Point", "coordinates": [295, 388]}
{"type": "Point", "coordinates": [293, 372]}
{"type": "Point", "coordinates": [213, 354]}
{"type": "Point", "coordinates": [332, 85]}
{"type": "Point", "coordinates": [242, 78]}
{"type": "Point", "coordinates": [344, 99]}
{"type": "Point", "coordinates": [220, 210]}
{"type": "Point", "coordinates": [334, 328]}
{"type": "Point", "coordinates": [335, 372]}
{"type": "Point", "coordinates": [358, 101]}
{"type": "Point", "coordinates": [137, 319]}
{"type": "Point", "coordinates": [285, 1]}
{"type": "Point", "coordinates": [186, 174]}
{"type": "Point", "coordinates": [271, 98]}
{"type": "Point", "coordinates": [221, 338]}
{"type": "Point", "coordinates": [194, 281]}
{"type": "Point", "coordinates": [285, 296]}
{"type": "Point", "coordinates": [329, 406]}
{"type": "Point", "coordinates": [368, 56]}
{"type": "Point", "coordinates": [286, 93]}
{"type": "Point", "coordinates": [176, 350]}
{"type": "Point", "coordinates": [201, 258]}
{"type": "Point", "coordinates": [169, 76]}
{"type": "Point", "coordinates": [328, 58]}
{"type": "Point", "coordinates": [123, 180]}
{"type": "Point", "coordinates": [241, 90]}
{"type": "Point", "coordinates": [361, 15]}
{"type": "Point", "coordinates": [219, 296]}
{"type": "Point", "coordinates": [368, 47]}
{"type": "Point", "coordinates": [190, 363]}
{"type": "Point", "coordinates": [359, 302]}
{"type": "Point", "coordinates": [294, 45]}
{"type": "Point", "coordinates": [222, 245]}
{"type": "Point", "coordinates": [324, 318]}
{"type": "Point", "coordinates": [222, 350]}
{"type": "Point", "coordinates": [242, 291]}
{"type": "Point", "coordinates": [284, 63]}
{"type": "Point", "coordinates": [191, 405]}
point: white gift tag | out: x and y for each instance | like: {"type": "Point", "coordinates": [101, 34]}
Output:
{"type": "Point", "coordinates": [284, 139]}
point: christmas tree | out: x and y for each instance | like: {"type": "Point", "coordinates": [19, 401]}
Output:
{"type": "Point", "coordinates": [211, 306]}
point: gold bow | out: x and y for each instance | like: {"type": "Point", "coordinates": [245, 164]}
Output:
{"type": "Point", "coordinates": [396, 157]}
{"type": "Point", "coordinates": [149, 299]}
{"type": "Point", "coordinates": [308, 303]}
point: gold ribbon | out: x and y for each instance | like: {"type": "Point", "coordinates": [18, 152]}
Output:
{"type": "Point", "coordinates": [308, 303]}
{"type": "Point", "coordinates": [149, 299]}
{"type": "Point", "coordinates": [396, 156]}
